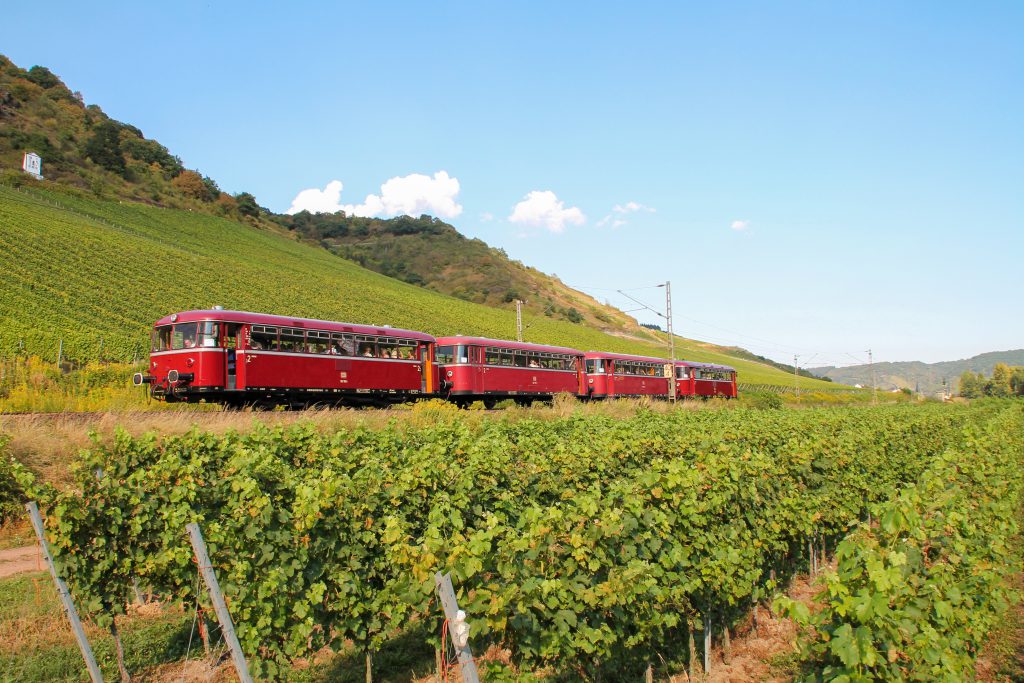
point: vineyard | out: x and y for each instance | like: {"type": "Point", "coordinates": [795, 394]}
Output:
{"type": "Point", "coordinates": [588, 545]}
{"type": "Point", "coordinates": [86, 278]}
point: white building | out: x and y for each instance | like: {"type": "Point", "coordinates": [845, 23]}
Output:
{"type": "Point", "coordinates": [33, 165]}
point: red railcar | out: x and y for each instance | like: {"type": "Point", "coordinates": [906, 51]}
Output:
{"type": "Point", "coordinates": [477, 368]}
{"type": "Point", "coordinates": [240, 358]}
{"type": "Point", "coordinates": [618, 375]}
{"type": "Point", "coordinates": [705, 380]}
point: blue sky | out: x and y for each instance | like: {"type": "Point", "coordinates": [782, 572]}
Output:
{"type": "Point", "coordinates": [814, 178]}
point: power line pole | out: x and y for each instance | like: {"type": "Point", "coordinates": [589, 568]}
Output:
{"type": "Point", "coordinates": [796, 375]}
{"type": "Point", "coordinates": [874, 384]}
{"type": "Point", "coordinates": [519, 319]}
{"type": "Point", "coordinates": [671, 340]}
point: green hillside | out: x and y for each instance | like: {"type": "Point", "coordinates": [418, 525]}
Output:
{"type": "Point", "coordinates": [96, 273]}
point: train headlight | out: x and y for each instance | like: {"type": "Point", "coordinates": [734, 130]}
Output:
{"type": "Point", "coordinates": [448, 374]}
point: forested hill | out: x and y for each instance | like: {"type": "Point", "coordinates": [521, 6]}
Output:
{"type": "Point", "coordinates": [428, 252]}
{"type": "Point", "coordinates": [927, 377]}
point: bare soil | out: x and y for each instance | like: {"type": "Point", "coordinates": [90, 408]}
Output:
{"type": "Point", "coordinates": [19, 560]}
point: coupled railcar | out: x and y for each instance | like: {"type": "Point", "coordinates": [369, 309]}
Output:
{"type": "Point", "coordinates": [490, 370]}
{"type": "Point", "coordinates": [619, 375]}
{"type": "Point", "coordinates": [240, 358]}
{"type": "Point", "coordinates": [705, 380]}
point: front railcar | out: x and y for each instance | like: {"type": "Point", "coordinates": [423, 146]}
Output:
{"type": "Point", "coordinates": [188, 358]}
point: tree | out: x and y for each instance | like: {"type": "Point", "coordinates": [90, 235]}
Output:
{"type": "Point", "coordinates": [971, 384]}
{"type": "Point", "coordinates": [191, 184]}
{"type": "Point", "coordinates": [999, 385]}
{"type": "Point", "coordinates": [1017, 381]}
{"type": "Point", "coordinates": [247, 205]}
{"type": "Point", "coordinates": [43, 77]}
{"type": "Point", "coordinates": [104, 147]}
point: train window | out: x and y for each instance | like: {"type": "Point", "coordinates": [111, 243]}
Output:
{"type": "Point", "coordinates": [445, 354]}
{"type": "Point", "coordinates": [230, 339]}
{"type": "Point", "coordinates": [462, 353]}
{"type": "Point", "coordinates": [595, 366]}
{"type": "Point", "coordinates": [292, 340]}
{"type": "Point", "coordinates": [519, 359]}
{"type": "Point", "coordinates": [366, 347]}
{"type": "Point", "coordinates": [342, 345]}
{"type": "Point", "coordinates": [682, 373]}
{"type": "Point", "coordinates": [408, 349]}
{"type": "Point", "coordinates": [533, 361]}
{"type": "Point", "coordinates": [263, 338]}
{"type": "Point", "coordinates": [318, 342]}
{"type": "Point", "coordinates": [161, 338]}
{"type": "Point", "coordinates": [208, 334]}
{"type": "Point", "coordinates": [387, 347]}
{"type": "Point", "coordinates": [492, 356]}
{"type": "Point", "coordinates": [184, 335]}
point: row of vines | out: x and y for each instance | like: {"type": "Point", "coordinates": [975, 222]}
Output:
{"type": "Point", "coordinates": [585, 544]}
{"type": "Point", "coordinates": [914, 596]}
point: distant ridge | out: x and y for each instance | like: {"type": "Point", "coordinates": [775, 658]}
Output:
{"type": "Point", "coordinates": [927, 377]}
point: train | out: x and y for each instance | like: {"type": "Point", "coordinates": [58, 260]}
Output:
{"type": "Point", "coordinates": [238, 359]}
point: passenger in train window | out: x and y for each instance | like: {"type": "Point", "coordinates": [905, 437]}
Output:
{"type": "Point", "coordinates": [367, 351]}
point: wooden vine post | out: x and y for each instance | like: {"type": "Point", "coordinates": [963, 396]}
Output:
{"type": "Point", "coordinates": [65, 596]}
{"type": "Point", "coordinates": [446, 593]}
{"type": "Point", "coordinates": [227, 627]}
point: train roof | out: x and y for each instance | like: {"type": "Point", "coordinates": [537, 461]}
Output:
{"type": "Point", "coordinates": [507, 344]}
{"type": "Point", "coordinates": [289, 321]}
{"type": "Point", "coordinates": [624, 356]}
{"type": "Point", "coordinates": [709, 366]}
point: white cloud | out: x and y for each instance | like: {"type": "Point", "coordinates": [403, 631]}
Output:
{"type": "Point", "coordinates": [313, 200]}
{"type": "Point", "coordinates": [541, 208]}
{"type": "Point", "coordinates": [486, 217]}
{"type": "Point", "coordinates": [739, 225]}
{"type": "Point", "coordinates": [632, 207]}
{"type": "Point", "coordinates": [412, 195]}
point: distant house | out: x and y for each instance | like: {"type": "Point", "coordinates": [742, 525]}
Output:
{"type": "Point", "coordinates": [32, 164]}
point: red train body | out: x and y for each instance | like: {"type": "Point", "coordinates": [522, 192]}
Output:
{"type": "Point", "coordinates": [244, 358]}
{"type": "Point", "coordinates": [618, 375]}
{"type": "Point", "coordinates": [238, 358]}
{"type": "Point", "coordinates": [705, 380]}
{"type": "Point", "coordinates": [477, 368]}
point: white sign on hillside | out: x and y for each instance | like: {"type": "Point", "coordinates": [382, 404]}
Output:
{"type": "Point", "coordinates": [33, 165]}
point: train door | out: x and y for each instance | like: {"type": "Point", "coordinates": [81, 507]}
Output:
{"type": "Point", "coordinates": [232, 342]}
{"type": "Point", "coordinates": [482, 380]}
{"type": "Point", "coordinates": [428, 383]}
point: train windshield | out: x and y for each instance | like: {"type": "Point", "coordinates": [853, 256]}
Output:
{"type": "Point", "coordinates": [595, 366]}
